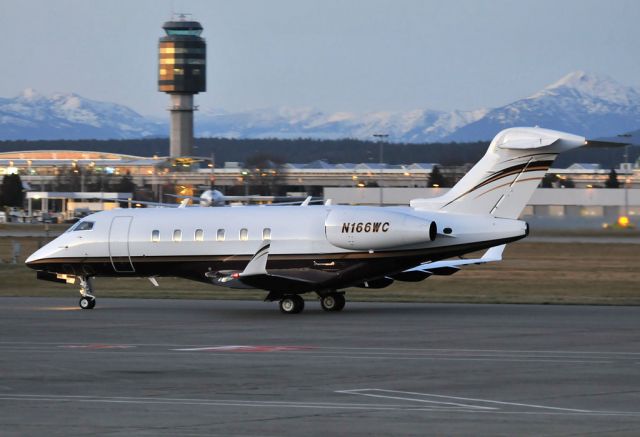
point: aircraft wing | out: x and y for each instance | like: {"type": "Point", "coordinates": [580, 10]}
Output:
{"type": "Point", "coordinates": [306, 202]}
{"type": "Point", "coordinates": [255, 275]}
{"type": "Point", "coordinates": [449, 267]}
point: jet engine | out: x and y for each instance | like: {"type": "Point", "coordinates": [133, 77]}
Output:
{"type": "Point", "coordinates": [372, 229]}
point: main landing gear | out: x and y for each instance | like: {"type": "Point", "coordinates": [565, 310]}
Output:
{"type": "Point", "coordinates": [87, 300]}
{"type": "Point", "coordinates": [333, 301]}
{"type": "Point", "coordinates": [294, 303]}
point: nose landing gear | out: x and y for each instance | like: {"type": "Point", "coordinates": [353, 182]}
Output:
{"type": "Point", "coordinates": [87, 300]}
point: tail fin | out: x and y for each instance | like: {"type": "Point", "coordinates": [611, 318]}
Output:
{"type": "Point", "coordinates": [504, 180]}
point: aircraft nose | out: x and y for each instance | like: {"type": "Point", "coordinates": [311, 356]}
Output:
{"type": "Point", "coordinates": [32, 260]}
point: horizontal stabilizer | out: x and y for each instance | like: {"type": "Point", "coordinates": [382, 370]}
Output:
{"type": "Point", "coordinates": [598, 144]}
{"type": "Point", "coordinates": [528, 143]}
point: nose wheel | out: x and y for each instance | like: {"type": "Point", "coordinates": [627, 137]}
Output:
{"type": "Point", "coordinates": [87, 303]}
{"type": "Point", "coordinates": [87, 300]}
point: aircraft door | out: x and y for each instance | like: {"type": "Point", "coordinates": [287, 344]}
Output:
{"type": "Point", "coordinates": [119, 244]}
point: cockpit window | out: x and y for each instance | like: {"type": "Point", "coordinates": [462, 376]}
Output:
{"type": "Point", "coordinates": [83, 226]}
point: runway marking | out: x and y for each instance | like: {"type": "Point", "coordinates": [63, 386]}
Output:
{"type": "Point", "coordinates": [453, 358]}
{"type": "Point", "coordinates": [516, 351]}
{"type": "Point", "coordinates": [365, 392]}
{"type": "Point", "coordinates": [205, 402]}
{"type": "Point", "coordinates": [246, 349]}
{"type": "Point", "coordinates": [530, 351]}
{"type": "Point", "coordinates": [367, 354]}
{"type": "Point", "coordinates": [391, 350]}
{"type": "Point", "coordinates": [413, 399]}
{"type": "Point", "coordinates": [396, 354]}
{"type": "Point", "coordinates": [441, 407]}
{"type": "Point", "coordinates": [96, 346]}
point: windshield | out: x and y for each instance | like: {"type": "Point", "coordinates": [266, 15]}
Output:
{"type": "Point", "coordinates": [81, 226]}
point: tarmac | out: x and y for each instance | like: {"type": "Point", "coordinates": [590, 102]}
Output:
{"type": "Point", "coordinates": [180, 367]}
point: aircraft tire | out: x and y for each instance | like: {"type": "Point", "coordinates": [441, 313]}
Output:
{"type": "Point", "coordinates": [332, 302]}
{"type": "Point", "coordinates": [292, 304]}
{"type": "Point", "coordinates": [87, 303]}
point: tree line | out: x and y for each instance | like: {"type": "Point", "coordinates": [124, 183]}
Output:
{"type": "Point", "coordinates": [306, 150]}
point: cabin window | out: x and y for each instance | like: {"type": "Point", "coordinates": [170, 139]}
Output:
{"type": "Point", "coordinates": [220, 235]}
{"type": "Point", "coordinates": [199, 235]}
{"type": "Point", "coordinates": [177, 235]}
{"type": "Point", "coordinates": [155, 235]}
{"type": "Point", "coordinates": [266, 234]}
{"type": "Point", "coordinates": [84, 226]}
{"type": "Point", "coordinates": [244, 234]}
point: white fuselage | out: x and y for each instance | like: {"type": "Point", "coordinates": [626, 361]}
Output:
{"type": "Point", "coordinates": [293, 230]}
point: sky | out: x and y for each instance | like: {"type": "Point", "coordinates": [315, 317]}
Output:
{"type": "Point", "coordinates": [334, 55]}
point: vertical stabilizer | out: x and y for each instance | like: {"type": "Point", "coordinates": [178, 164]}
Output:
{"type": "Point", "coordinates": [504, 180]}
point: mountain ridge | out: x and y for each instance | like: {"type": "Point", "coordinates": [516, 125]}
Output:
{"type": "Point", "coordinates": [579, 102]}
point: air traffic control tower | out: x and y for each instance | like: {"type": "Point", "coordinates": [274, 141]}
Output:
{"type": "Point", "coordinates": [181, 74]}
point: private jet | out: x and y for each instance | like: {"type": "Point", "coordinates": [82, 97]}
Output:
{"type": "Point", "coordinates": [291, 250]}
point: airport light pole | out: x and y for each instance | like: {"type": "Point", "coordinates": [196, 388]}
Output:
{"type": "Point", "coordinates": [626, 183]}
{"type": "Point", "coordinates": [626, 178]}
{"type": "Point", "coordinates": [381, 139]}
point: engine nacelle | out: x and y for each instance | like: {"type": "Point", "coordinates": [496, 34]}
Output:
{"type": "Point", "coordinates": [374, 229]}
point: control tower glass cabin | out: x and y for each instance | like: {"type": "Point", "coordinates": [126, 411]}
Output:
{"type": "Point", "coordinates": [181, 74]}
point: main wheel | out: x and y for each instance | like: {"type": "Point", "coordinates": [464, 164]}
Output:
{"type": "Point", "coordinates": [87, 303]}
{"type": "Point", "coordinates": [292, 304]}
{"type": "Point", "coordinates": [333, 302]}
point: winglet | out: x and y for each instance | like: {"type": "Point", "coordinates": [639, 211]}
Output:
{"type": "Point", "coordinates": [258, 264]}
{"type": "Point", "coordinates": [306, 201]}
{"type": "Point", "coordinates": [184, 203]}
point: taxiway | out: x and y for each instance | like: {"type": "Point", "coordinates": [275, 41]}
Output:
{"type": "Point", "coordinates": [178, 367]}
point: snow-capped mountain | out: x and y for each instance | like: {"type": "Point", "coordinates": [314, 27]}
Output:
{"type": "Point", "coordinates": [411, 126]}
{"type": "Point", "coordinates": [32, 116]}
{"type": "Point", "coordinates": [579, 103]}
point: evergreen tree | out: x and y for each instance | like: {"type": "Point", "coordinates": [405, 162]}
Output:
{"type": "Point", "coordinates": [436, 179]}
{"type": "Point", "coordinates": [264, 174]}
{"type": "Point", "coordinates": [126, 184]}
{"type": "Point", "coordinates": [612, 182]}
{"type": "Point", "coordinates": [548, 180]}
{"type": "Point", "coordinates": [12, 191]}
{"type": "Point", "coordinates": [567, 183]}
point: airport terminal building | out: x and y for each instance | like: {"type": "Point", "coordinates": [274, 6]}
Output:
{"type": "Point", "coordinates": [351, 183]}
